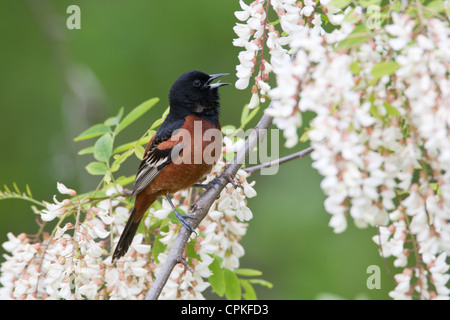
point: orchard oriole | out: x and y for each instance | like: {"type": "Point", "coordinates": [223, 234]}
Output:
{"type": "Point", "coordinates": [176, 156]}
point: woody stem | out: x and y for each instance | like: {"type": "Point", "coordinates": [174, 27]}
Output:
{"type": "Point", "coordinates": [297, 155]}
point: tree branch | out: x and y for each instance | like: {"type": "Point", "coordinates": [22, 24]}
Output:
{"type": "Point", "coordinates": [201, 206]}
{"type": "Point", "coordinates": [297, 155]}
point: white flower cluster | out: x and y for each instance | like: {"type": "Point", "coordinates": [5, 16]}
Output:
{"type": "Point", "coordinates": [74, 261]}
{"type": "Point", "coordinates": [250, 36]}
{"type": "Point", "coordinates": [425, 212]}
{"type": "Point", "coordinates": [301, 24]}
{"type": "Point", "coordinates": [369, 163]}
{"type": "Point", "coordinates": [381, 128]}
{"type": "Point", "coordinates": [298, 21]}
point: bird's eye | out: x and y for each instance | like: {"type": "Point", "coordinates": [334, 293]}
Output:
{"type": "Point", "coordinates": [197, 83]}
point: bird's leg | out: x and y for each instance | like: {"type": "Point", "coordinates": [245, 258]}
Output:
{"type": "Point", "coordinates": [181, 217]}
{"type": "Point", "coordinates": [209, 184]}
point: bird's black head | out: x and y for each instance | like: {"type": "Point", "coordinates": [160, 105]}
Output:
{"type": "Point", "coordinates": [194, 92]}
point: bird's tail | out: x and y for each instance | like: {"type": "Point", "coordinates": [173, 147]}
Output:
{"type": "Point", "coordinates": [127, 236]}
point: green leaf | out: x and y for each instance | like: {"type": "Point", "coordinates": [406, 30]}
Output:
{"type": "Point", "coordinates": [114, 167]}
{"type": "Point", "coordinates": [124, 147]}
{"type": "Point", "coordinates": [244, 114]}
{"type": "Point", "coordinates": [228, 129]}
{"type": "Point", "coordinates": [119, 159]}
{"type": "Point", "coordinates": [139, 151]}
{"type": "Point", "coordinates": [261, 282]}
{"type": "Point", "coordinates": [248, 272]}
{"type": "Point", "coordinates": [247, 116]}
{"type": "Point", "coordinates": [339, 4]}
{"type": "Point", "coordinates": [382, 69]}
{"type": "Point", "coordinates": [437, 7]}
{"type": "Point", "coordinates": [374, 112]}
{"type": "Point", "coordinates": [97, 168]}
{"type": "Point", "coordinates": [129, 145]}
{"type": "Point", "coordinates": [352, 42]}
{"type": "Point", "coordinates": [123, 181]}
{"type": "Point", "coordinates": [166, 112]}
{"type": "Point", "coordinates": [304, 137]}
{"type": "Point", "coordinates": [114, 121]}
{"type": "Point", "coordinates": [359, 35]}
{"type": "Point", "coordinates": [103, 147]}
{"type": "Point", "coordinates": [108, 177]}
{"type": "Point", "coordinates": [434, 186]}
{"type": "Point", "coordinates": [28, 191]}
{"type": "Point", "coordinates": [368, 3]}
{"type": "Point", "coordinates": [136, 113]}
{"type": "Point", "coordinates": [86, 150]}
{"type": "Point", "coordinates": [7, 189]}
{"type": "Point", "coordinates": [92, 132]}
{"type": "Point", "coordinates": [390, 110]}
{"type": "Point", "coordinates": [157, 123]}
{"type": "Point", "coordinates": [157, 248]}
{"type": "Point", "coordinates": [355, 68]}
{"type": "Point", "coordinates": [232, 285]}
{"type": "Point", "coordinates": [217, 279]}
{"type": "Point", "coordinates": [191, 253]}
{"type": "Point", "coordinates": [16, 188]}
{"type": "Point", "coordinates": [249, 293]}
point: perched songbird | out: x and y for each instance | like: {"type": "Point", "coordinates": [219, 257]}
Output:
{"type": "Point", "coordinates": [184, 149]}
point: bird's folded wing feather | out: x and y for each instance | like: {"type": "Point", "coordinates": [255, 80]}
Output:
{"type": "Point", "coordinates": [156, 158]}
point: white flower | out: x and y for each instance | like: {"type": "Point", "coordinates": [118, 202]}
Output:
{"type": "Point", "coordinates": [105, 217]}
{"type": "Point", "coordinates": [317, 22]}
{"type": "Point", "coordinates": [245, 14]}
{"type": "Point", "coordinates": [254, 101]}
{"type": "Point", "coordinates": [168, 237]}
{"type": "Point", "coordinates": [107, 204]}
{"type": "Point", "coordinates": [308, 8]}
{"type": "Point", "coordinates": [243, 31]}
{"type": "Point", "coordinates": [116, 189]}
{"type": "Point", "coordinates": [401, 28]}
{"type": "Point", "coordinates": [52, 210]}
{"type": "Point", "coordinates": [100, 232]}
{"type": "Point", "coordinates": [248, 190]}
{"type": "Point", "coordinates": [215, 214]}
{"type": "Point", "coordinates": [64, 190]}
{"type": "Point", "coordinates": [60, 231]}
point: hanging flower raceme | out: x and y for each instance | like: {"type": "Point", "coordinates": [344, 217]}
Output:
{"type": "Point", "coordinates": [380, 96]}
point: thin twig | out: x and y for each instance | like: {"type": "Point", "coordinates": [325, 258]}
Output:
{"type": "Point", "coordinates": [276, 162]}
{"type": "Point", "coordinates": [201, 207]}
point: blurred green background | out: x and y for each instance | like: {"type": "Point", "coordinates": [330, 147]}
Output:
{"type": "Point", "coordinates": [55, 82]}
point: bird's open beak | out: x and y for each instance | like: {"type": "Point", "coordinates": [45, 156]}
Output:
{"type": "Point", "coordinates": [215, 85]}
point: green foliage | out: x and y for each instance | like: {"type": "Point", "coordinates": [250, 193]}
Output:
{"type": "Point", "coordinates": [110, 158]}
{"type": "Point", "coordinates": [385, 68]}
{"type": "Point", "coordinates": [93, 132]}
{"type": "Point", "coordinates": [247, 115]}
{"type": "Point", "coordinates": [97, 168]}
{"type": "Point", "coordinates": [226, 282]}
{"type": "Point", "coordinates": [359, 35]}
{"type": "Point", "coordinates": [339, 4]}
